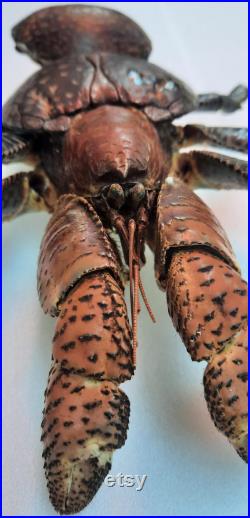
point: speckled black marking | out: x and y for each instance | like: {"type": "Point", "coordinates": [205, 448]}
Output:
{"type": "Point", "coordinates": [235, 327]}
{"type": "Point", "coordinates": [61, 332]}
{"type": "Point", "coordinates": [242, 293]}
{"type": "Point", "coordinates": [93, 358]}
{"type": "Point", "coordinates": [193, 259]}
{"type": "Point", "coordinates": [96, 286]}
{"type": "Point", "coordinates": [205, 269]}
{"type": "Point", "coordinates": [209, 316]}
{"type": "Point", "coordinates": [227, 274]}
{"type": "Point", "coordinates": [234, 312]}
{"type": "Point", "coordinates": [209, 345]}
{"type": "Point", "coordinates": [68, 423]}
{"type": "Point", "coordinates": [77, 389]}
{"type": "Point", "coordinates": [66, 385]}
{"type": "Point", "coordinates": [218, 331]}
{"type": "Point", "coordinates": [88, 337]}
{"type": "Point", "coordinates": [207, 283]}
{"type": "Point", "coordinates": [94, 404]}
{"type": "Point", "coordinates": [85, 420]}
{"type": "Point", "coordinates": [72, 318]}
{"type": "Point", "coordinates": [102, 304]}
{"type": "Point", "coordinates": [219, 300]}
{"type": "Point", "coordinates": [108, 315]}
{"type": "Point", "coordinates": [200, 298]}
{"type": "Point", "coordinates": [216, 373]}
{"type": "Point", "coordinates": [86, 318]}
{"type": "Point", "coordinates": [237, 361]}
{"type": "Point", "coordinates": [243, 376]}
{"type": "Point", "coordinates": [106, 392]}
{"type": "Point", "coordinates": [221, 362]}
{"type": "Point", "coordinates": [109, 415]}
{"type": "Point", "coordinates": [69, 345]}
{"type": "Point", "coordinates": [72, 408]}
{"type": "Point", "coordinates": [85, 298]}
{"type": "Point", "coordinates": [112, 356]}
{"type": "Point", "coordinates": [232, 400]}
{"type": "Point", "coordinates": [229, 383]}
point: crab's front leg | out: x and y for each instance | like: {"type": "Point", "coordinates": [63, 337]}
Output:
{"type": "Point", "coordinates": [86, 414]}
{"type": "Point", "coordinates": [207, 301]}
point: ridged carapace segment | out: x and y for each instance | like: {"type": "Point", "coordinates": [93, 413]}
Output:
{"type": "Point", "coordinates": [183, 221]}
{"type": "Point", "coordinates": [45, 101]}
{"type": "Point", "coordinates": [86, 414]}
{"type": "Point", "coordinates": [207, 301]}
{"type": "Point", "coordinates": [60, 31]}
{"type": "Point", "coordinates": [75, 243]}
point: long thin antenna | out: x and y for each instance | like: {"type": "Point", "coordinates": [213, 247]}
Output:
{"type": "Point", "coordinates": [135, 310]}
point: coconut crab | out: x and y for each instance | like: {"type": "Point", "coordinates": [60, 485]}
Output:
{"type": "Point", "coordinates": [115, 197]}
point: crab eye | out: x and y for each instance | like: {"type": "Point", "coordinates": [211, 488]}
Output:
{"type": "Point", "coordinates": [170, 86]}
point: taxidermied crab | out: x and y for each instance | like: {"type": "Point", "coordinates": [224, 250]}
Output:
{"type": "Point", "coordinates": [98, 126]}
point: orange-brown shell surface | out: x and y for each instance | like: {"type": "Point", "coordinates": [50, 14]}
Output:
{"type": "Point", "coordinates": [226, 391]}
{"type": "Point", "coordinates": [184, 220]}
{"type": "Point", "coordinates": [207, 301]}
{"type": "Point", "coordinates": [75, 243]}
{"type": "Point", "coordinates": [93, 333]}
{"type": "Point", "coordinates": [84, 422]}
{"type": "Point", "coordinates": [105, 145]}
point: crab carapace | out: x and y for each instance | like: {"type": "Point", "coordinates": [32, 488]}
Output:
{"type": "Point", "coordinates": [96, 120]}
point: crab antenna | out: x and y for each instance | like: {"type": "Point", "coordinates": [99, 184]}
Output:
{"type": "Point", "coordinates": [131, 229]}
{"type": "Point", "coordinates": [135, 310]}
{"type": "Point", "coordinates": [145, 300]}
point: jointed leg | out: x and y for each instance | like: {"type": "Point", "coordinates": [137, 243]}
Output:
{"type": "Point", "coordinates": [227, 103]}
{"type": "Point", "coordinates": [210, 170]}
{"type": "Point", "coordinates": [207, 301]}
{"type": "Point", "coordinates": [25, 192]}
{"type": "Point", "coordinates": [86, 414]}
{"type": "Point", "coordinates": [207, 169]}
{"type": "Point", "coordinates": [231, 138]}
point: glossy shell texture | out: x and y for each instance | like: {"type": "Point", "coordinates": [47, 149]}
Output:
{"type": "Point", "coordinates": [51, 95]}
{"type": "Point", "coordinates": [59, 31]}
{"type": "Point", "coordinates": [75, 243]}
{"type": "Point", "coordinates": [183, 221]}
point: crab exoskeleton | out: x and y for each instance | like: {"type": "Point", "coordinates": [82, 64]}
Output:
{"type": "Point", "coordinates": [96, 119]}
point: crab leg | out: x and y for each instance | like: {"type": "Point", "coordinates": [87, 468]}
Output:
{"type": "Point", "coordinates": [86, 414]}
{"type": "Point", "coordinates": [207, 301]}
{"type": "Point", "coordinates": [210, 170]}
{"type": "Point", "coordinates": [231, 138]}
{"type": "Point", "coordinates": [228, 103]}
{"type": "Point", "coordinates": [26, 192]}
{"type": "Point", "coordinates": [14, 147]}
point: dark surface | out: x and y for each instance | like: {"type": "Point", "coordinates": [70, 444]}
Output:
{"type": "Point", "coordinates": [57, 31]}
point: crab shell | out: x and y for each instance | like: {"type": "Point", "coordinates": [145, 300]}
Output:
{"type": "Point", "coordinates": [57, 31]}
